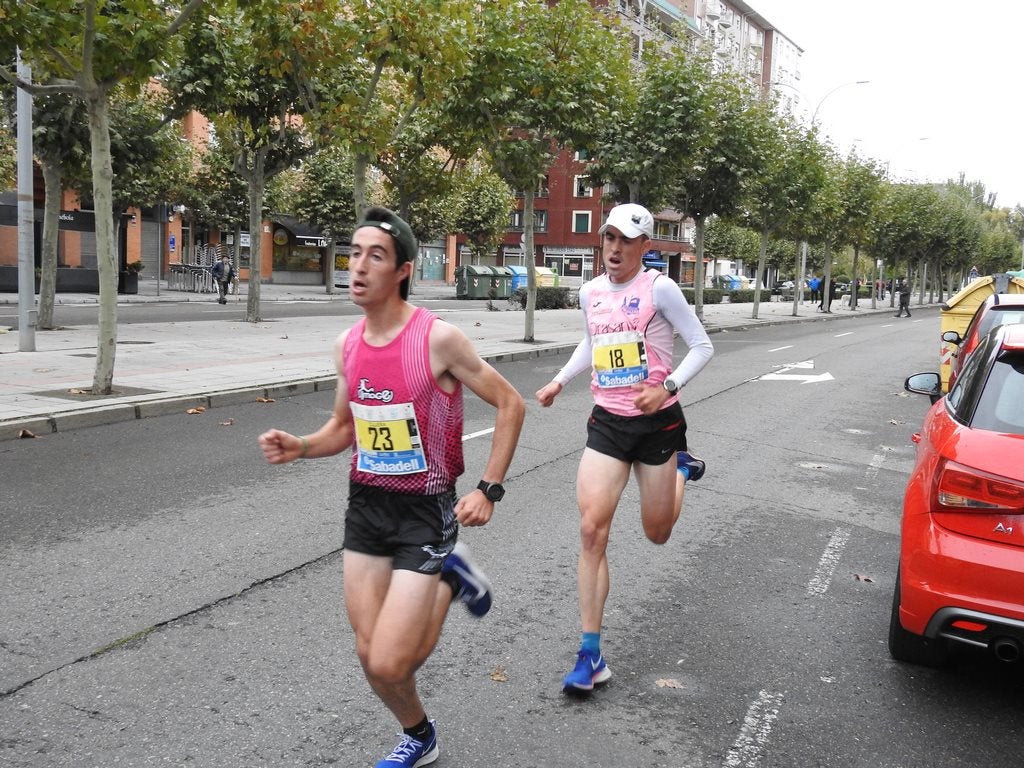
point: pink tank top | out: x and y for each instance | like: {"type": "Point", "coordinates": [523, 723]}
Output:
{"type": "Point", "coordinates": [408, 430]}
{"type": "Point", "coordinates": [618, 321]}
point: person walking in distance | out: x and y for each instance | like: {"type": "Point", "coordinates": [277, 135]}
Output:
{"type": "Point", "coordinates": [904, 292]}
{"type": "Point", "coordinates": [223, 274]}
{"type": "Point", "coordinates": [637, 423]}
{"type": "Point", "coordinates": [401, 373]}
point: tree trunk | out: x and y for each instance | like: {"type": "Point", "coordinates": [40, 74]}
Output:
{"type": "Point", "coordinates": [329, 272]}
{"type": "Point", "coordinates": [698, 269]}
{"type": "Point", "coordinates": [801, 269]}
{"type": "Point", "coordinates": [853, 279]}
{"type": "Point", "coordinates": [257, 185]}
{"type": "Point", "coordinates": [826, 294]}
{"type": "Point", "coordinates": [51, 225]}
{"type": "Point", "coordinates": [762, 257]}
{"type": "Point", "coordinates": [98, 109]}
{"type": "Point", "coordinates": [531, 262]}
{"type": "Point", "coordinates": [360, 163]}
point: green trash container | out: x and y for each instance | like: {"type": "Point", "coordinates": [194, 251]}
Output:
{"type": "Point", "coordinates": [502, 282]}
{"type": "Point", "coordinates": [473, 281]}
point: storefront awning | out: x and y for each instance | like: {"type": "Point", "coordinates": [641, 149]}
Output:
{"type": "Point", "coordinates": [305, 233]}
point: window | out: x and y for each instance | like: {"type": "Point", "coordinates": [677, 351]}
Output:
{"type": "Point", "coordinates": [581, 156]}
{"type": "Point", "coordinates": [580, 187]}
{"type": "Point", "coordinates": [581, 221]}
{"type": "Point", "coordinates": [540, 221]}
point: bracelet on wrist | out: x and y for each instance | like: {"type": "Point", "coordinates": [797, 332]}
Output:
{"type": "Point", "coordinates": [305, 447]}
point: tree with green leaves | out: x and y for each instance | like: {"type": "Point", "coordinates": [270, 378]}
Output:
{"type": "Point", "coordinates": [394, 57]}
{"type": "Point", "coordinates": [323, 197]}
{"type": "Point", "coordinates": [658, 121]}
{"type": "Point", "coordinates": [711, 172]}
{"type": "Point", "coordinates": [254, 69]}
{"type": "Point", "coordinates": [571, 70]}
{"type": "Point", "coordinates": [780, 194]}
{"type": "Point", "coordinates": [860, 190]}
{"type": "Point", "coordinates": [824, 226]}
{"type": "Point", "coordinates": [60, 143]}
{"type": "Point", "coordinates": [88, 54]}
{"type": "Point", "coordinates": [484, 202]}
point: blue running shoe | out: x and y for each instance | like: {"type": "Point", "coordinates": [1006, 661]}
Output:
{"type": "Point", "coordinates": [412, 753]}
{"type": "Point", "coordinates": [590, 671]}
{"type": "Point", "coordinates": [695, 466]}
{"type": "Point", "coordinates": [474, 588]}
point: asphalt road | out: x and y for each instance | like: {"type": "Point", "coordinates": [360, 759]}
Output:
{"type": "Point", "coordinates": [169, 599]}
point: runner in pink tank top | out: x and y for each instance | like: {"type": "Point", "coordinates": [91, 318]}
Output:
{"type": "Point", "coordinates": [401, 373]}
{"type": "Point", "coordinates": [637, 424]}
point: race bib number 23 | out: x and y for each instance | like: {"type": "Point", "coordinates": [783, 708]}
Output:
{"type": "Point", "coordinates": [388, 439]}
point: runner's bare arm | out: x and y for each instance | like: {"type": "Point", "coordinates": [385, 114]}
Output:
{"type": "Point", "coordinates": [280, 447]}
{"type": "Point", "coordinates": [450, 348]}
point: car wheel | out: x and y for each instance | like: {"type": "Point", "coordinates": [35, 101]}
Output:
{"type": "Point", "coordinates": [911, 648]}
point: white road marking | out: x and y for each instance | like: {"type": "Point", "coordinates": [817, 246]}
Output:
{"type": "Point", "coordinates": [783, 373]}
{"type": "Point", "coordinates": [779, 349]}
{"type": "Point", "coordinates": [481, 433]}
{"type": "Point", "coordinates": [828, 562]}
{"type": "Point", "coordinates": [757, 727]}
{"type": "Point", "coordinates": [876, 464]}
{"type": "Point", "coordinates": [840, 335]}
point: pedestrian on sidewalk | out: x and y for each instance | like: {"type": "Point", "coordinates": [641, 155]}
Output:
{"type": "Point", "coordinates": [637, 423]}
{"type": "Point", "coordinates": [904, 291]}
{"type": "Point", "coordinates": [223, 274]}
{"type": "Point", "coordinates": [401, 372]}
{"type": "Point", "coordinates": [815, 285]}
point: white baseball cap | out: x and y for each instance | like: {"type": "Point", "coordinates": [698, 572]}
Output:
{"type": "Point", "coordinates": [631, 220]}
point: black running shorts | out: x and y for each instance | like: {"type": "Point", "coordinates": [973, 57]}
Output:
{"type": "Point", "coordinates": [416, 532]}
{"type": "Point", "coordinates": [650, 439]}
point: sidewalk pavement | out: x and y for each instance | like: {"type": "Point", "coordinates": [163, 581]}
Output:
{"type": "Point", "coordinates": [171, 367]}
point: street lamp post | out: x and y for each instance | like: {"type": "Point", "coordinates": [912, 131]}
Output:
{"type": "Point", "coordinates": [814, 116]}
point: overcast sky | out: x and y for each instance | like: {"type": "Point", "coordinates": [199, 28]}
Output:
{"type": "Point", "coordinates": [946, 84]}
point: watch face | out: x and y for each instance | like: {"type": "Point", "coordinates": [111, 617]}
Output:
{"type": "Point", "coordinates": [670, 386]}
{"type": "Point", "coordinates": [493, 491]}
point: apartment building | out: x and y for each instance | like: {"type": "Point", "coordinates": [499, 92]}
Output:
{"type": "Point", "coordinates": [569, 213]}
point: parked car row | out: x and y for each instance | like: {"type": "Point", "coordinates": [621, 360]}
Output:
{"type": "Point", "coordinates": [960, 580]}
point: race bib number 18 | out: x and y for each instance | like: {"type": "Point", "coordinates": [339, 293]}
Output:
{"type": "Point", "coordinates": [620, 359]}
{"type": "Point", "coordinates": [388, 439]}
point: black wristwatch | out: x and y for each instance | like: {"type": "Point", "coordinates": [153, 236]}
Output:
{"type": "Point", "coordinates": [493, 491]}
{"type": "Point", "coordinates": [670, 386]}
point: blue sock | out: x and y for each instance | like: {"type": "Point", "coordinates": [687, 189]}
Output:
{"type": "Point", "coordinates": [591, 642]}
{"type": "Point", "coordinates": [684, 470]}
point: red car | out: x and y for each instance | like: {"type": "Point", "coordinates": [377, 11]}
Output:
{"type": "Point", "coordinates": [961, 572]}
{"type": "Point", "coordinates": [997, 309]}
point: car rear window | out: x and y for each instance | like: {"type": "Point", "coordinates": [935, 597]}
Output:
{"type": "Point", "coordinates": [996, 316]}
{"type": "Point", "coordinates": [1001, 405]}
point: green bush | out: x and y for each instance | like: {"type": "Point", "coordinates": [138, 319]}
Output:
{"type": "Point", "coordinates": [711, 295]}
{"type": "Point", "coordinates": [547, 298]}
{"type": "Point", "coordinates": [746, 296]}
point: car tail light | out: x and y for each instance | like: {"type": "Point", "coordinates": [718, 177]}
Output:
{"type": "Point", "coordinates": [963, 488]}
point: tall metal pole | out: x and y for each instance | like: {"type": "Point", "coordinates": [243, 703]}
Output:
{"type": "Point", "coordinates": [27, 313]}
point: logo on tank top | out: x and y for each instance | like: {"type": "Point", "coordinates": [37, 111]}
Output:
{"type": "Point", "coordinates": [366, 392]}
{"type": "Point", "coordinates": [631, 305]}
